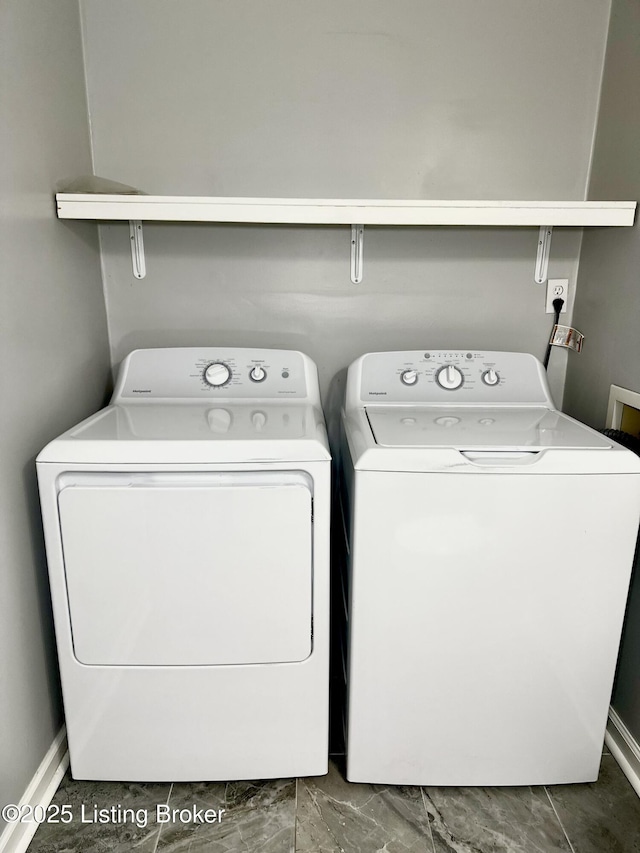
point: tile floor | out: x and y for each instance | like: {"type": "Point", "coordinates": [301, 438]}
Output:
{"type": "Point", "coordinates": [328, 815]}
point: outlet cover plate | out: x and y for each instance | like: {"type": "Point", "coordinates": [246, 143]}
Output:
{"type": "Point", "coordinates": [557, 288]}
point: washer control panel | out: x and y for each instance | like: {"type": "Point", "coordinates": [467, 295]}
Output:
{"type": "Point", "coordinates": [214, 373]}
{"type": "Point", "coordinates": [448, 376]}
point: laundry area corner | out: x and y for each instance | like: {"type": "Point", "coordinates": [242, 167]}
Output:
{"type": "Point", "coordinates": [278, 289]}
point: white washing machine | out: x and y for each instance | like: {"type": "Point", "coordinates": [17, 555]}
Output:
{"type": "Point", "coordinates": [491, 542]}
{"type": "Point", "coordinates": [187, 535]}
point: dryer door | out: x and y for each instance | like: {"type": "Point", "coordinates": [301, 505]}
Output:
{"type": "Point", "coordinates": [188, 569]}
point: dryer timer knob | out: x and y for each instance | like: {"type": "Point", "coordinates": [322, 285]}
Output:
{"type": "Point", "coordinates": [217, 374]}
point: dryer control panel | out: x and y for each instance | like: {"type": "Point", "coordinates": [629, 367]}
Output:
{"type": "Point", "coordinates": [205, 373]}
{"type": "Point", "coordinates": [448, 376]}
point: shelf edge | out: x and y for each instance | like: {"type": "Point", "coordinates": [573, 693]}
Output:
{"type": "Point", "coordinates": [343, 212]}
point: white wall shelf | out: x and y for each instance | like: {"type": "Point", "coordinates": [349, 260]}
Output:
{"type": "Point", "coordinates": [342, 211]}
{"type": "Point", "coordinates": [295, 211]}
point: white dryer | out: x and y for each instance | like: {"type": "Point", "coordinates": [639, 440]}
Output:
{"type": "Point", "coordinates": [491, 542]}
{"type": "Point", "coordinates": [187, 535]}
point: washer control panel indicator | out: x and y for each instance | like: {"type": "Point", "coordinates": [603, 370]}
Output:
{"type": "Point", "coordinates": [451, 376]}
{"type": "Point", "coordinates": [214, 373]}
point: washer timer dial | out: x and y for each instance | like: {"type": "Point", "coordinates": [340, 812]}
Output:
{"type": "Point", "coordinates": [217, 374]}
{"type": "Point", "coordinates": [449, 377]}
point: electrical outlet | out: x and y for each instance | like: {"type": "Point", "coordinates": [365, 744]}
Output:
{"type": "Point", "coordinates": [557, 288]}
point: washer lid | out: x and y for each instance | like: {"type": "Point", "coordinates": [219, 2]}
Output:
{"type": "Point", "coordinates": [479, 429]}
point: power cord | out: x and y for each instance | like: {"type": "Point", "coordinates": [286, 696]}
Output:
{"type": "Point", "coordinates": [623, 438]}
{"type": "Point", "coordinates": [557, 308]}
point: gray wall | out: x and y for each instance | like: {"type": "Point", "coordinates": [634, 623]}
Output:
{"type": "Point", "coordinates": [53, 347]}
{"type": "Point", "coordinates": [608, 302]}
{"type": "Point", "coordinates": [411, 99]}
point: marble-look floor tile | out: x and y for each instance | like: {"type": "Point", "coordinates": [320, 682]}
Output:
{"type": "Point", "coordinates": [122, 831]}
{"type": "Point", "coordinates": [258, 816]}
{"type": "Point", "coordinates": [600, 817]}
{"type": "Point", "coordinates": [335, 816]}
{"type": "Point", "coordinates": [494, 820]}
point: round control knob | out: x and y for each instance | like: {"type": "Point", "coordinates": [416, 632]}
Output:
{"type": "Point", "coordinates": [257, 374]}
{"type": "Point", "coordinates": [259, 421]}
{"type": "Point", "coordinates": [217, 374]}
{"type": "Point", "coordinates": [490, 377]}
{"type": "Point", "coordinates": [449, 378]}
{"type": "Point", "coordinates": [409, 377]}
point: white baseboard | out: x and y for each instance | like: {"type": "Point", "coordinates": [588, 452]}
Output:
{"type": "Point", "coordinates": [16, 837]}
{"type": "Point", "coordinates": [624, 748]}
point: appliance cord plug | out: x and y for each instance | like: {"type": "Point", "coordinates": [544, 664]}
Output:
{"type": "Point", "coordinates": [557, 308]}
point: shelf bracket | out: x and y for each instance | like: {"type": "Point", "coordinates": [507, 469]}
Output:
{"type": "Point", "coordinates": [137, 248]}
{"type": "Point", "coordinates": [357, 252]}
{"type": "Point", "coordinates": [544, 250]}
